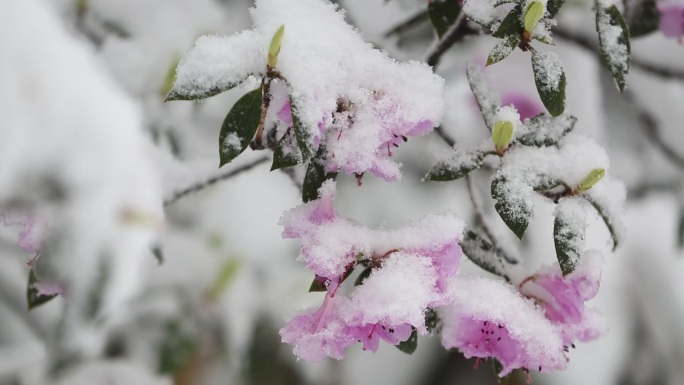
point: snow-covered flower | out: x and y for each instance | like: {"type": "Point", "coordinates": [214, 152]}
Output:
{"type": "Point", "coordinates": [671, 23]}
{"type": "Point", "coordinates": [563, 298]}
{"type": "Point", "coordinates": [490, 319]}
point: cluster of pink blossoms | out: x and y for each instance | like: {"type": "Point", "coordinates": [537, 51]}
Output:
{"type": "Point", "coordinates": [530, 325]}
{"type": "Point", "coordinates": [671, 23]}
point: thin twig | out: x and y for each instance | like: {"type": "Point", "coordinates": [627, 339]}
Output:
{"type": "Point", "coordinates": [480, 217]}
{"type": "Point", "coordinates": [650, 125]}
{"type": "Point", "coordinates": [213, 180]}
{"type": "Point", "coordinates": [409, 23]}
{"type": "Point", "coordinates": [453, 35]}
{"type": "Point", "coordinates": [439, 130]}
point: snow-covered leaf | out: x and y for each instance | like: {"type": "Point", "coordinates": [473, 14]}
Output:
{"type": "Point", "coordinates": [512, 24]}
{"type": "Point", "coordinates": [553, 6]}
{"type": "Point", "coordinates": [642, 17]}
{"type": "Point", "coordinates": [176, 349]}
{"type": "Point", "coordinates": [302, 133]}
{"type": "Point", "coordinates": [513, 209]}
{"type": "Point", "coordinates": [481, 252]}
{"type": "Point", "coordinates": [460, 164]}
{"type": "Point", "coordinates": [569, 228]}
{"type": "Point", "coordinates": [443, 14]}
{"type": "Point", "coordinates": [286, 153]}
{"type": "Point", "coordinates": [613, 42]}
{"type": "Point", "coordinates": [33, 297]}
{"type": "Point", "coordinates": [364, 274]}
{"type": "Point", "coordinates": [487, 99]}
{"type": "Point", "coordinates": [502, 49]}
{"type": "Point", "coordinates": [315, 175]}
{"type": "Point", "coordinates": [544, 130]}
{"type": "Point", "coordinates": [409, 346]}
{"type": "Point", "coordinates": [607, 219]}
{"type": "Point", "coordinates": [240, 126]}
{"type": "Point", "coordinates": [549, 77]}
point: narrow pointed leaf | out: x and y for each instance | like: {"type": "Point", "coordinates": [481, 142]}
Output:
{"type": "Point", "coordinates": [33, 298]}
{"type": "Point", "coordinates": [443, 14]}
{"type": "Point", "coordinates": [544, 130]}
{"type": "Point", "coordinates": [513, 209]}
{"type": "Point", "coordinates": [481, 252]}
{"type": "Point", "coordinates": [549, 77]}
{"type": "Point", "coordinates": [409, 346]}
{"type": "Point", "coordinates": [502, 49]}
{"type": "Point", "coordinates": [315, 176]}
{"type": "Point", "coordinates": [569, 228]}
{"type": "Point", "coordinates": [604, 214]}
{"type": "Point", "coordinates": [486, 98]}
{"type": "Point", "coordinates": [458, 166]}
{"type": "Point", "coordinates": [240, 126]}
{"type": "Point", "coordinates": [614, 43]}
{"type": "Point", "coordinates": [511, 24]}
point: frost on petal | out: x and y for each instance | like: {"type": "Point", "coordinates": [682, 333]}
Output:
{"type": "Point", "coordinates": [397, 293]}
{"type": "Point", "coordinates": [563, 298]}
{"type": "Point", "coordinates": [33, 230]}
{"type": "Point", "coordinates": [671, 22]}
{"type": "Point", "coordinates": [318, 333]}
{"type": "Point", "coordinates": [488, 318]}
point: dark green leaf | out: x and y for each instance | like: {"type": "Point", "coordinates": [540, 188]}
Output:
{"type": "Point", "coordinates": [318, 284]}
{"type": "Point", "coordinates": [443, 14]}
{"type": "Point", "coordinates": [513, 209]}
{"type": "Point", "coordinates": [615, 48]}
{"type": "Point", "coordinates": [569, 240]}
{"type": "Point", "coordinates": [285, 153]}
{"type": "Point", "coordinates": [511, 25]}
{"type": "Point", "coordinates": [315, 175]}
{"type": "Point", "coordinates": [176, 349]}
{"type": "Point", "coordinates": [457, 167]}
{"type": "Point", "coordinates": [543, 130]}
{"type": "Point", "coordinates": [642, 17]}
{"type": "Point", "coordinates": [33, 298]}
{"type": "Point", "coordinates": [364, 274]}
{"type": "Point", "coordinates": [503, 49]}
{"type": "Point", "coordinates": [432, 321]}
{"type": "Point", "coordinates": [553, 6]}
{"type": "Point", "coordinates": [487, 99]}
{"type": "Point", "coordinates": [409, 346]}
{"type": "Point", "coordinates": [481, 252]}
{"type": "Point", "coordinates": [606, 219]}
{"type": "Point", "coordinates": [240, 126]}
{"type": "Point", "coordinates": [190, 93]}
{"type": "Point", "coordinates": [549, 77]}
{"type": "Point", "coordinates": [302, 133]}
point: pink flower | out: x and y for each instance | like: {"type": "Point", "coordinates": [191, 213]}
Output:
{"type": "Point", "coordinates": [526, 105]}
{"type": "Point", "coordinates": [671, 21]}
{"type": "Point", "coordinates": [488, 318]}
{"type": "Point", "coordinates": [371, 334]}
{"type": "Point", "coordinates": [563, 298]}
{"type": "Point", "coordinates": [33, 232]}
{"type": "Point", "coordinates": [318, 333]}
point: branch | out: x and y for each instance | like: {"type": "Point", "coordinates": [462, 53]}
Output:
{"type": "Point", "coordinates": [211, 181]}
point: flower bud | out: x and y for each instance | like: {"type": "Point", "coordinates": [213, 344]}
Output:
{"type": "Point", "coordinates": [501, 135]}
{"type": "Point", "coordinates": [274, 48]}
{"type": "Point", "coordinates": [534, 13]}
{"type": "Point", "coordinates": [590, 180]}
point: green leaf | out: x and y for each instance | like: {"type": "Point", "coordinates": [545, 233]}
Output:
{"type": "Point", "coordinates": [511, 24]}
{"type": "Point", "coordinates": [33, 298]}
{"type": "Point", "coordinates": [318, 284]}
{"type": "Point", "coordinates": [549, 77]}
{"type": "Point", "coordinates": [513, 210]}
{"type": "Point", "coordinates": [187, 93]}
{"type": "Point", "coordinates": [302, 133]}
{"type": "Point", "coordinates": [240, 126]}
{"type": "Point", "coordinates": [553, 6]}
{"type": "Point", "coordinates": [274, 47]}
{"type": "Point", "coordinates": [315, 176]}
{"type": "Point", "coordinates": [364, 274]}
{"type": "Point", "coordinates": [460, 165]}
{"type": "Point", "coordinates": [502, 49]}
{"type": "Point", "coordinates": [569, 240]}
{"type": "Point", "coordinates": [590, 180]}
{"type": "Point", "coordinates": [501, 135]}
{"type": "Point", "coordinates": [544, 130]}
{"type": "Point", "coordinates": [487, 99]}
{"type": "Point", "coordinates": [409, 346]}
{"type": "Point", "coordinates": [176, 349]}
{"type": "Point", "coordinates": [443, 14]}
{"type": "Point", "coordinates": [533, 14]}
{"type": "Point", "coordinates": [642, 17]}
{"type": "Point", "coordinates": [170, 77]}
{"type": "Point", "coordinates": [224, 278]}
{"type": "Point", "coordinates": [285, 153]}
{"type": "Point", "coordinates": [606, 219]}
{"type": "Point", "coordinates": [614, 43]}
{"type": "Point", "coordinates": [481, 252]}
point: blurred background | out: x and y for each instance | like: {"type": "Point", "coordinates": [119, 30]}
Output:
{"type": "Point", "coordinates": [205, 307]}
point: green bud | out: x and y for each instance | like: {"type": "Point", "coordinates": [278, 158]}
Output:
{"type": "Point", "coordinates": [501, 135]}
{"type": "Point", "coordinates": [274, 48]}
{"type": "Point", "coordinates": [534, 13]}
{"type": "Point", "coordinates": [170, 77]}
{"type": "Point", "coordinates": [590, 180]}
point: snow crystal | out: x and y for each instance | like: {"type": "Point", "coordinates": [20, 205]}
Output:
{"type": "Point", "coordinates": [231, 142]}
